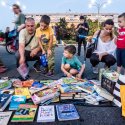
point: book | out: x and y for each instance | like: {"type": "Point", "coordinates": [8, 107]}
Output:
{"type": "Point", "coordinates": [4, 100]}
{"type": "Point", "coordinates": [104, 93]}
{"type": "Point", "coordinates": [23, 91]}
{"type": "Point", "coordinates": [25, 113]}
{"type": "Point", "coordinates": [46, 114]}
{"type": "Point", "coordinates": [23, 70]}
{"type": "Point", "coordinates": [112, 75]}
{"type": "Point", "coordinates": [4, 117]}
{"type": "Point", "coordinates": [7, 91]}
{"type": "Point", "coordinates": [37, 84]}
{"type": "Point", "coordinates": [28, 83]}
{"type": "Point", "coordinates": [5, 84]}
{"type": "Point", "coordinates": [86, 87]}
{"type": "Point", "coordinates": [43, 95]}
{"type": "Point", "coordinates": [46, 82]}
{"type": "Point", "coordinates": [17, 83]}
{"type": "Point", "coordinates": [67, 112]}
{"type": "Point", "coordinates": [34, 89]}
{"type": "Point", "coordinates": [67, 80]}
{"type": "Point", "coordinates": [16, 101]}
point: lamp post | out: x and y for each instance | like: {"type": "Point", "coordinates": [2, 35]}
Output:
{"type": "Point", "coordinates": [99, 4]}
{"type": "Point", "coordinates": [5, 3]}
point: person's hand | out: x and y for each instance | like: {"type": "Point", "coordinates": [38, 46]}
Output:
{"type": "Point", "coordinates": [83, 27]}
{"type": "Point", "coordinates": [100, 57]}
{"type": "Point", "coordinates": [69, 75]}
{"type": "Point", "coordinates": [33, 52]}
{"type": "Point", "coordinates": [49, 52]}
{"type": "Point", "coordinates": [79, 75]}
{"type": "Point", "coordinates": [43, 52]}
{"type": "Point", "coordinates": [22, 60]}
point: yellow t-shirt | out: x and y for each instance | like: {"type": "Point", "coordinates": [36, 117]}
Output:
{"type": "Point", "coordinates": [44, 35]}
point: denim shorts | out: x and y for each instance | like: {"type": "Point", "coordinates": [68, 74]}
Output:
{"type": "Point", "coordinates": [120, 54]}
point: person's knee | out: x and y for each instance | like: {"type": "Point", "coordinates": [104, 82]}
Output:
{"type": "Point", "coordinates": [67, 67]}
{"type": "Point", "coordinates": [73, 71]}
{"type": "Point", "coordinates": [111, 60]}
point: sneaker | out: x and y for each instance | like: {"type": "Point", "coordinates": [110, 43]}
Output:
{"type": "Point", "coordinates": [95, 70]}
{"type": "Point", "coordinates": [37, 68]}
{"type": "Point", "coordinates": [45, 71]}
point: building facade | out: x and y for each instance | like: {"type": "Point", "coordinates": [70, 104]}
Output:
{"type": "Point", "coordinates": [74, 17]}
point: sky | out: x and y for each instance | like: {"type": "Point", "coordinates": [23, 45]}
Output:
{"type": "Point", "coordinates": [60, 6]}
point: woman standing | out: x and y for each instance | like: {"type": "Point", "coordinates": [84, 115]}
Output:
{"type": "Point", "coordinates": [20, 17]}
{"type": "Point", "coordinates": [105, 48]}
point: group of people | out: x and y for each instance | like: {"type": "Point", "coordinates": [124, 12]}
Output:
{"type": "Point", "coordinates": [35, 42]}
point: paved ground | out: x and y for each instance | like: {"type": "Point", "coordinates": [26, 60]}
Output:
{"type": "Point", "coordinates": [9, 61]}
{"type": "Point", "coordinates": [90, 115]}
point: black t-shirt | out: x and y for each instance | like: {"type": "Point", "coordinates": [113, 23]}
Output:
{"type": "Point", "coordinates": [82, 31]}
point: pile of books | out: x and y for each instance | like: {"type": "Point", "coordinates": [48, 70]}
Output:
{"type": "Point", "coordinates": [25, 97]}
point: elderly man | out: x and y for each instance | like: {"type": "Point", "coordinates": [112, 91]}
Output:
{"type": "Point", "coordinates": [29, 49]}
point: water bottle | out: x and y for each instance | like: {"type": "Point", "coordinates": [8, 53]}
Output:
{"type": "Point", "coordinates": [44, 61]}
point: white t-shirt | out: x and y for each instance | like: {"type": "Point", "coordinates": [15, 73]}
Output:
{"type": "Point", "coordinates": [103, 47]}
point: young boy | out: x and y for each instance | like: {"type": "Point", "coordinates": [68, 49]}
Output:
{"type": "Point", "coordinates": [47, 41]}
{"type": "Point", "coordinates": [121, 44]}
{"type": "Point", "coordinates": [70, 63]}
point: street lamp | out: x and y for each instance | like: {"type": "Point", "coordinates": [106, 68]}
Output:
{"type": "Point", "coordinates": [99, 4]}
{"type": "Point", "coordinates": [4, 3]}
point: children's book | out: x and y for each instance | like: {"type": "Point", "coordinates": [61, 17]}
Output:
{"type": "Point", "coordinates": [37, 84]}
{"type": "Point", "coordinates": [86, 87]}
{"type": "Point", "coordinates": [4, 117]}
{"type": "Point", "coordinates": [67, 112]}
{"type": "Point", "coordinates": [5, 84]}
{"type": "Point", "coordinates": [46, 114]}
{"type": "Point", "coordinates": [25, 113]}
{"type": "Point", "coordinates": [23, 70]}
{"type": "Point", "coordinates": [4, 100]}
{"type": "Point", "coordinates": [23, 91]}
{"type": "Point", "coordinates": [28, 83]}
{"type": "Point", "coordinates": [7, 91]}
{"type": "Point", "coordinates": [104, 93]}
{"type": "Point", "coordinates": [16, 101]}
{"type": "Point", "coordinates": [43, 95]}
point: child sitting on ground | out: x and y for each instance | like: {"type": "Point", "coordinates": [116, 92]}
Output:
{"type": "Point", "coordinates": [47, 42]}
{"type": "Point", "coordinates": [71, 66]}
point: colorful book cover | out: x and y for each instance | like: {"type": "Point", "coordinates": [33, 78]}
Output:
{"type": "Point", "coordinates": [28, 83]}
{"type": "Point", "coordinates": [23, 91]}
{"type": "Point", "coordinates": [7, 91]}
{"type": "Point", "coordinates": [4, 101]}
{"type": "Point", "coordinates": [23, 70]}
{"type": "Point", "coordinates": [69, 80]}
{"type": "Point", "coordinates": [16, 101]}
{"type": "Point", "coordinates": [66, 112]}
{"type": "Point", "coordinates": [5, 84]}
{"type": "Point", "coordinates": [46, 114]}
{"type": "Point", "coordinates": [37, 84]}
{"type": "Point", "coordinates": [25, 113]}
{"type": "Point", "coordinates": [43, 95]}
{"type": "Point", "coordinates": [86, 87]}
{"type": "Point", "coordinates": [4, 117]}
